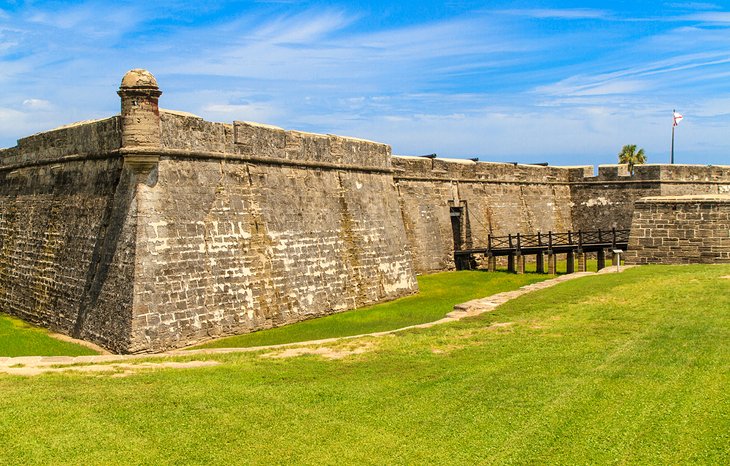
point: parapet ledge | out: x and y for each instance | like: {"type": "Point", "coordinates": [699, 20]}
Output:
{"type": "Point", "coordinates": [614, 171]}
{"type": "Point", "coordinates": [689, 173]}
{"type": "Point", "coordinates": [686, 199]}
{"type": "Point", "coordinates": [59, 132]}
{"type": "Point", "coordinates": [407, 166]}
{"type": "Point", "coordinates": [81, 139]}
{"type": "Point", "coordinates": [180, 113]}
{"type": "Point", "coordinates": [262, 140]}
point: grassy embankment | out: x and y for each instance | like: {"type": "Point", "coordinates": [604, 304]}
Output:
{"type": "Point", "coordinates": [438, 294]}
{"type": "Point", "coordinates": [20, 339]}
{"type": "Point", "coordinates": [619, 368]}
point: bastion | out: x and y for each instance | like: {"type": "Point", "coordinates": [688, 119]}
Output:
{"type": "Point", "coordinates": [155, 229]}
{"type": "Point", "coordinates": [692, 229]}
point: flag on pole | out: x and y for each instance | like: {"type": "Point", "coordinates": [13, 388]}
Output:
{"type": "Point", "coordinates": [677, 118]}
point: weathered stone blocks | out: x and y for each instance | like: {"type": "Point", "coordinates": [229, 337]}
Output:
{"type": "Point", "coordinates": [680, 230]}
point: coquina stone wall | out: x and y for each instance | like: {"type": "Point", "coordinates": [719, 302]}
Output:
{"type": "Point", "coordinates": [500, 198]}
{"type": "Point", "coordinates": [67, 233]}
{"type": "Point", "coordinates": [250, 226]}
{"type": "Point", "coordinates": [490, 198]}
{"type": "Point", "coordinates": [607, 200]}
{"type": "Point", "coordinates": [680, 230]}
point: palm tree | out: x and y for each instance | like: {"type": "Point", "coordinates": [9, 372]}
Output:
{"type": "Point", "coordinates": [630, 156]}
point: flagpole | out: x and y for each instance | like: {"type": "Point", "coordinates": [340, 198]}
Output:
{"type": "Point", "coordinates": [671, 159]}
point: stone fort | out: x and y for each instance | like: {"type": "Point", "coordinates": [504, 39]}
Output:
{"type": "Point", "coordinates": [156, 229]}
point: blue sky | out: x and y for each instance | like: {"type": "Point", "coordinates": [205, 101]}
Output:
{"type": "Point", "coordinates": [563, 82]}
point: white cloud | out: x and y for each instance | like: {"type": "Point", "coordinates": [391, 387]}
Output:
{"type": "Point", "coordinates": [90, 18]}
{"type": "Point", "coordinates": [37, 104]}
{"type": "Point", "coordinates": [303, 28]}
{"type": "Point", "coordinates": [245, 112]}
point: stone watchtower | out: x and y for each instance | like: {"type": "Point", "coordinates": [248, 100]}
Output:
{"type": "Point", "coordinates": [141, 132]}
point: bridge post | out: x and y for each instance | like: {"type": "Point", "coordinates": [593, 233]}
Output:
{"type": "Point", "coordinates": [615, 258]}
{"type": "Point", "coordinates": [491, 263]}
{"type": "Point", "coordinates": [552, 260]}
{"type": "Point", "coordinates": [540, 262]}
{"type": "Point", "coordinates": [520, 258]}
{"type": "Point", "coordinates": [511, 262]}
{"type": "Point", "coordinates": [601, 259]}
{"type": "Point", "coordinates": [582, 261]}
{"type": "Point", "coordinates": [570, 262]}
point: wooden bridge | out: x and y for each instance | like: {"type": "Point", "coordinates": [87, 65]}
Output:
{"type": "Point", "coordinates": [574, 244]}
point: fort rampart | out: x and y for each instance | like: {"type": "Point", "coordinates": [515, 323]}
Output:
{"type": "Point", "coordinates": [156, 229]}
{"type": "Point", "coordinates": [680, 230]}
{"type": "Point", "coordinates": [448, 202]}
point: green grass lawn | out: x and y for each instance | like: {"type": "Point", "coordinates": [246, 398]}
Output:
{"type": "Point", "coordinates": [438, 294]}
{"type": "Point", "coordinates": [20, 339]}
{"type": "Point", "coordinates": [618, 368]}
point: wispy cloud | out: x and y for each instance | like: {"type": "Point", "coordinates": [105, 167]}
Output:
{"type": "Point", "coordinates": [92, 19]}
{"type": "Point", "coordinates": [712, 17]}
{"type": "Point", "coordinates": [632, 79]}
{"type": "Point", "coordinates": [37, 104]}
{"type": "Point", "coordinates": [554, 13]}
{"type": "Point", "coordinates": [693, 6]}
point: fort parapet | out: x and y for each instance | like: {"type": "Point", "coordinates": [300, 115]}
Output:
{"type": "Point", "coordinates": [156, 229]}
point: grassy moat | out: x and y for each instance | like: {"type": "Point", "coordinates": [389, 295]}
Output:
{"type": "Point", "coordinates": [615, 368]}
{"type": "Point", "coordinates": [438, 293]}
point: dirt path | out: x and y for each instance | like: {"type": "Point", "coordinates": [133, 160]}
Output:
{"type": "Point", "coordinates": [124, 364]}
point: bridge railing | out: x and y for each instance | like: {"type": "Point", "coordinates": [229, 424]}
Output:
{"type": "Point", "coordinates": [557, 239]}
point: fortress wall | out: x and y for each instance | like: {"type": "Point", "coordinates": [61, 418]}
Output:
{"type": "Point", "coordinates": [156, 229]}
{"type": "Point", "coordinates": [287, 227]}
{"type": "Point", "coordinates": [496, 199]}
{"type": "Point", "coordinates": [66, 241]}
{"type": "Point", "coordinates": [680, 230]}
{"type": "Point", "coordinates": [607, 200]}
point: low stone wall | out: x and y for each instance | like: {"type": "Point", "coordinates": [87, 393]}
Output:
{"type": "Point", "coordinates": [607, 200]}
{"type": "Point", "coordinates": [680, 230]}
